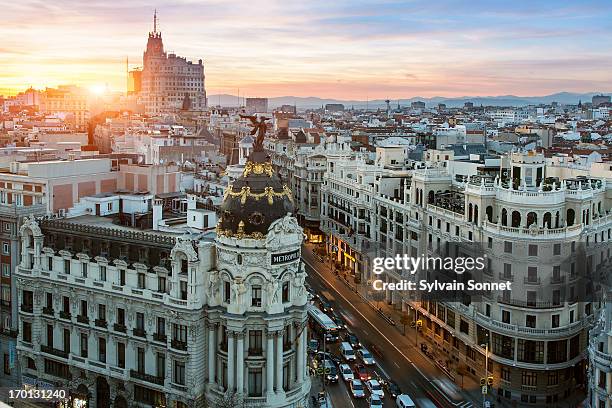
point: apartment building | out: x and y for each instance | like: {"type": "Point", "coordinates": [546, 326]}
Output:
{"type": "Point", "coordinates": [539, 232]}
{"type": "Point", "coordinates": [600, 358]}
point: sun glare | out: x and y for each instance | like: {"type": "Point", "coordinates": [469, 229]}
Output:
{"type": "Point", "coordinates": [97, 89]}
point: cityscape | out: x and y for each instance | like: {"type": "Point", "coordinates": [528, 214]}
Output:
{"type": "Point", "coordinates": [306, 206]}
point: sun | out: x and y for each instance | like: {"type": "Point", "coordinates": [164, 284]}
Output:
{"type": "Point", "coordinates": [97, 89]}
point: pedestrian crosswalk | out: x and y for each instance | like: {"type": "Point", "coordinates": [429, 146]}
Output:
{"type": "Point", "coordinates": [464, 404]}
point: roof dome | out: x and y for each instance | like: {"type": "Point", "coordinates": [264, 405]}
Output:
{"type": "Point", "coordinates": [254, 201]}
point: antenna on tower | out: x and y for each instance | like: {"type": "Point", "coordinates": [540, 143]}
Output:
{"type": "Point", "coordinates": [127, 75]}
{"type": "Point", "coordinates": [155, 21]}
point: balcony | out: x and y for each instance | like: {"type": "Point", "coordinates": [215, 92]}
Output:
{"type": "Point", "coordinates": [65, 315]}
{"type": "Point", "coordinates": [83, 319]}
{"type": "Point", "coordinates": [557, 279]}
{"type": "Point", "coordinates": [101, 323]}
{"type": "Point", "coordinates": [54, 351]}
{"type": "Point", "coordinates": [119, 327]}
{"type": "Point", "coordinates": [147, 377]}
{"type": "Point", "coordinates": [532, 280]}
{"type": "Point", "coordinates": [162, 338]}
{"type": "Point", "coordinates": [27, 308]}
{"type": "Point", "coordinates": [48, 311]}
{"type": "Point", "coordinates": [178, 345]}
{"type": "Point", "coordinates": [506, 277]}
{"type": "Point", "coordinates": [139, 332]}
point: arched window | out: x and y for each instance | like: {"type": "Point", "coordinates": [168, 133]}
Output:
{"type": "Point", "coordinates": [490, 213]}
{"type": "Point", "coordinates": [557, 220]}
{"type": "Point", "coordinates": [430, 197]}
{"type": "Point", "coordinates": [516, 219]}
{"type": "Point", "coordinates": [476, 214]}
{"type": "Point", "coordinates": [470, 212]}
{"type": "Point", "coordinates": [547, 220]}
{"type": "Point", "coordinates": [504, 217]}
{"type": "Point", "coordinates": [571, 216]}
{"type": "Point", "coordinates": [532, 218]}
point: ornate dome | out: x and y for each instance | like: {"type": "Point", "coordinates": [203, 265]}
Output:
{"type": "Point", "coordinates": [254, 201]}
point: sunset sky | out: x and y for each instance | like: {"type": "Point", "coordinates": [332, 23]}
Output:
{"type": "Point", "coordinates": [340, 49]}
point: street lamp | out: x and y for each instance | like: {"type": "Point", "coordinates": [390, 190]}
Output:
{"type": "Point", "coordinates": [488, 381]}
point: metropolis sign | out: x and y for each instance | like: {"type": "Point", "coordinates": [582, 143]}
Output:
{"type": "Point", "coordinates": [285, 257]}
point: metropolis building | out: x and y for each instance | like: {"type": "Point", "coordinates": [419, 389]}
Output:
{"type": "Point", "coordinates": [123, 316]}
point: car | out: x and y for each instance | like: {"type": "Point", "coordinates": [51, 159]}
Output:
{"type": "Point", "coordinates": [347, 372]}
{"type": "Point", "coordinates": [375, 388]}
{"type": "Point", "coordinates": [352, 340]}
{"type": "Point", "coordinates": [331, 372]}
{"type": "Point", "coordinates": [404, 401]}
{"type": "Point", "coordinates": [326, 306]}
{"type": "Point", "coordinates": [365, 356]}
{"type": "Point", "coordinates": [320, 355]}
{"type": "Point", "coordinates": [393, 389]}
{"type": "Point", "coordinates": [362, 372]}
{"type": "Point", "coordinates": [375, 401]}
{"type": "Point", "coordinates": [335, 316]}
{"type": "Point", "coordinates": [357, 389]}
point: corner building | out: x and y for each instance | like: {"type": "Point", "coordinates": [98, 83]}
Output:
{"type": "Point", "coordinates": [127, 317]}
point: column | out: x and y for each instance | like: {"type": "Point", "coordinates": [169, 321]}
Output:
{"type": "Point", "coordinates": [212, 353]}
{"type": "Point", "coordinates": [300, 356]}
{"type": "Point", "coordinates": [279, 361]}
{"type": "Point", "coordinates": [231, 354]}
{"type": "Point", "coordinates": [270, 363]}
{"type": "Point", "coordinates": [240, 363]}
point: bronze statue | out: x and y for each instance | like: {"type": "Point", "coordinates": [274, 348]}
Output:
{"type": "Point", "coordinates": [259, 128]}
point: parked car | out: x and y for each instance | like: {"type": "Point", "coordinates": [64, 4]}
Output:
{"type": "Point", "coordinates": [357, 389]}
{"type": "Point", "coordinates": [365, 356]}
{"type": "Point", "coordinates": [375, 401]}
{"type": "Point", "coordinates": [375, 388]}
{"type": "Point", "coordinates": [362, 372]}
{"type": "Point", "coordinates": [393, 389]}
{"type": "Point", "coordinates": [347, 372]}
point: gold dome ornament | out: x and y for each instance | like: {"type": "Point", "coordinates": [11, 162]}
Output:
{"type": "Point", "coordinates": [258, 168]}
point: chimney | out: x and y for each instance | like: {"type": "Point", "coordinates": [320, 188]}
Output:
{"type": "Point", "coordinates": [157, 213]}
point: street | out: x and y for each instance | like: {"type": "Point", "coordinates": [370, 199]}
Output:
{"type": "Point", "coordinates": [415, 374]}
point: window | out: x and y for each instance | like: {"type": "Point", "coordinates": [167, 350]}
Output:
{"type": "Point", "coordinates": [121, 355]}
{"type": "Point", "coordinates": [490, 242]}
{"type": "Point", "coordinates": [557, 249]}
{"type": "Point", "coordinates": [160, 365]}
{"type": "Point", "coordinates": [554, 320]}
{"type": "Point", "coordinates": [507, 271]}
{"type": "Point", "coordinates": [530, 321]}
{"type": "Point", "coordinates": [226, 292]}
{"type": "Point", "coordinates": [141, 281]}
{"type": "Point", "coordinates": [121, 316]}
{"type": "Point", "coordinates": [140, 360]}
{"type": "Point", "coordinates": [27, 332]}
{"type": "Point", "coordinates": [183, 289]}
{"type": "Point", "coordinates": [66, 304]}
{"type": "Point", "coordinates": [161, 326]}
{"type": "Point", "coordinates": [140, 321]}
{"type": "Point", "coordinates": [530, 351]}
{"type": "Point", "coordinates": [533, 250]}
{"type": "Point", "coordinates": [84, 270]}
{"type": "Point", "coordinates": [84, 345]}
{"type": "Point", "coordinates": [161, 284]}
{"type": "Point", "coordinates": [256, 296]}
{"type": "Point", "coordinates": [179, 333]}
{"type": "Point", "coordinates": [102, 273]}
{"type": "Point", "coordinates": [50, 335]}
{"type": "Point", "coordinates": [255, 382]}
{"type": "Point", "coordinates": [179, 372]}
{"type": "Point", "coordinates": [285, 292]}
{"type": "Point", "coordinates": [67, 266]}
{"type": "Point", "coordinates": [101, 349]}
{"type": "Point", "coordinates": [83, 308]}
{"type": "Point", "coordinates": [532, 274]}
{"type": "Point", "coordinates": [505, 373]}
{"type": "Point", "coordinates": [464, 327]}
{"type": "Point", "coordinates": [102, 312]}
{"type": "Point", "coordinates": [6, 270]}
{"type": "Point", "coordinates": [505, 316]}
{"type": "Point", "coordinates": [507, 247]}
{"type": "Point", "coordinates": [255, 342]}
{"type": "Point", "coordinates": [50, 263]}
{"type": "Point", "coordinates": [121, 277]}
{"type": "Point", "coordinates": [529, 378]}
{"type": "Point", "coordinates": [6, 248]}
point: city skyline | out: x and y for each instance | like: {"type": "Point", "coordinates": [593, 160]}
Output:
{"type": "Point", "coordinates": [346, 50]}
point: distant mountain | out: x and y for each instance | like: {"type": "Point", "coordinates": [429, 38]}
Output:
{"type": "Point", "coordinates": [568, 98]}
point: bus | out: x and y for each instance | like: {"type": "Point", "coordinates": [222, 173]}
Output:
{"type": "Point", "coordinates": [323, 324]}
